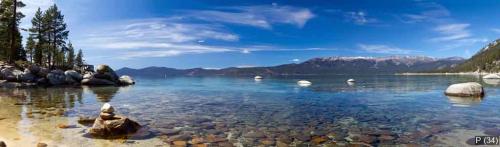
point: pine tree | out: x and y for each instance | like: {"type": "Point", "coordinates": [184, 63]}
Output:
{"type": "Point", "coordinates": [11, 37]}
{"type": "Point", "coordinates": [56, 34]}
{"type": "Point", "coordinates": [37, 32]}
{"type": "Point", "coordinates": [79, 58]}
{"type": "Point", "coordinates": [70, 60]}
{"type": "Point", "coordinates": [30, 48]}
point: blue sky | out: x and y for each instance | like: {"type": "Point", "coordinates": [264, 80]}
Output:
{"type": "Point", "coordinates": [235, 33]}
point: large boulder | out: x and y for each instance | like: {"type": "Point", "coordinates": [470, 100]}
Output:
{"type": "Point", "coordinates": [43, 72]}
{"type": "Point", "coordinates": [106, 72]}
{"type": "Point", "coordinates": [11, 74]}
{"type": "Point", "coordinates": [96, 81]}
{"type": "Point", "coordinates": [470, 89]}
{"type": "Point", "coordinates": [27, 76]}
{"type": "Point", "coordinates": [73, 75]}
{"type": "Point", "coordinates": [109, 125]}
{"type": "Point", "coordinates": [33, 69]}
{"type": "Point", "coordinates": [103, 68]}
{"type": "Point", "coordinates": [87, 76]}
{"type": "Point", "coordinates": [56, 77]}
{"type": "Point", "coordinates": [492, 76]}
{"type": "Point", "coordinates": [126, 80]}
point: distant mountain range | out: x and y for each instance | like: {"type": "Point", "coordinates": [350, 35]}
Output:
{"type": "Point", "coordinates": [486, 60]}
{"type": "Point", "coordinates": [315, 66]}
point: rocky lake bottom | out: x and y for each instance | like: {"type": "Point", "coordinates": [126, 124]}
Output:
{"type": "Point", "coordinates": [231, 111]}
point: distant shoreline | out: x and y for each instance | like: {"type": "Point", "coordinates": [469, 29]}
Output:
{"type": "Point", "coordinates": [446, 74]}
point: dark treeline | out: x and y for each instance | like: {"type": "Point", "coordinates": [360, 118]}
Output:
{"type": "Point", "coordinates": [47, 44]}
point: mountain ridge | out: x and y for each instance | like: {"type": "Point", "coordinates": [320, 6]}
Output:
{"type": "Point", "coordinates": [314, 66]}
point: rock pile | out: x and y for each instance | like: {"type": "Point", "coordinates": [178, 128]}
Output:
{"type": "Point", "coordinates": [106, 76]}
{"type": "Point", "coordinates": [33, 75]}
{"type": "Point", "coordinates": [109, 125]}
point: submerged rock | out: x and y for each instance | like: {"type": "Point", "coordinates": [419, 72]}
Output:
{"type": "Point", "coordinates": [85, 120]}
{"type": "Point", "coordinates": [492, 76]}
{"type": "Point", "coordinates": [465, 90]}
{"type": "Point", "coordinates": [112, 125]}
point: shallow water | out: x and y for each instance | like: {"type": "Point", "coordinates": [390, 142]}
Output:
{"type": "Point", "coordinates": [376, 110]}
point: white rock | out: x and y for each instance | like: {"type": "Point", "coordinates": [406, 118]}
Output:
{"type": "Point", "coordinates": [465, 89]}
{"type": "Point", "coordinates": [126, 80]}
{"type": "Point", "coordinates": [492, 76]}
{"type": "Point", "coordinates": [351, 80]}
{"type": "Point", "coordinates": [107, 108]}
{"type": "Point", "coordinates": [257, 77]}
{"type": "Point", "coordinates": [304, 83]}
{"type": "Point", "coordinates": [74, 75]}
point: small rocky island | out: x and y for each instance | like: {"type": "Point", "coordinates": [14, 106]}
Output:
{"type": "Point", "coordinates": [12, 76]}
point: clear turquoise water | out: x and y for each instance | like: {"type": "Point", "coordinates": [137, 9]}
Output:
{"type": "Point", "coordinates": [408, 109]}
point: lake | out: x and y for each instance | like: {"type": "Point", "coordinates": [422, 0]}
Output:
{"type": "Point", "coordinates": [224, 111]}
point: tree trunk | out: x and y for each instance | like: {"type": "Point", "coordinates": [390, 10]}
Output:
{"type": "Point", "coordinates": [12, 34]}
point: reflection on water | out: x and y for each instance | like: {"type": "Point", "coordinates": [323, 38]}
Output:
{"type": "Point", "coordinates": [495, 82]}
{"type": "Point", "coordinates": [376, 110]}
{"type": "Point", "coordinates": [464, 101]}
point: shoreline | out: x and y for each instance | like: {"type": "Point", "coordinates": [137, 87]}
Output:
{"type": "Point", "coordinates": [445, 74]}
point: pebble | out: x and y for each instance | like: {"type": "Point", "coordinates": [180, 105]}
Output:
{"type": "Point", "coordinates": [319, 139]}
{"type": "Point", "coordinates": [41, 145]}
{"type": "Point", "coordinates": [170, 132]}
{"type": "Point", "coordinates": [198, 140]}
{"type": "Point", "coordinates": [180, 143]}
{"type": "Point", "coordinates": [65, 126]}
{"type": "Point", "coordinates": [107, 116]}
{"type": "Point", "coordinates": [107, 108]}
{"type": "Point", "coordinates": [225, 144]}
{"type": "Point", "coordinates": [86, 120]}
{"type": "Point", "coordinates": [181, 137]}
{"type": "Point", "coordinates": [215, 139]}
{"type": "Point", "coordinates": [255, 135]}
{"type": "Point", "coordinates": [281, 144]}
{"type": "Point", "coordinates": [200, 145]}
{"type": "Point", "coordinates": [492, 132]}
{"type": "Point", "coordinates": [303, 137]}
{"type": "Point", "coordinates": [267, 142]}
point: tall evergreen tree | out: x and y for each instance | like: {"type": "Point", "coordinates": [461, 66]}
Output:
{"type": "Point", "coordinates": [10, 18]}
{"type": "Point", "coordinates": [37, 32]}
{"type": "Point", "coordinates": [79, 58]}
{"type": "Point", "coordinates": [30, 48]}
{"type": "Point", "coordinates": [56, 33]}
{"type": "Point", "coordinates": [70, 60]}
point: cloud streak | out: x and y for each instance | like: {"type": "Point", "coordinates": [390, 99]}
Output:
{"type": "Point", "coordinates": [359, 17]}
{"type": "Point", "coordinates": [262, 16]}
{"type": "Point", "coordinates": [452, 32]}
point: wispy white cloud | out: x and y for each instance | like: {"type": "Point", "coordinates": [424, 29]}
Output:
{"type": "Point", "coordinates": [359, 17]}
{"type": "Point", "coordinates": [383, 49]}
{"type": "Point", "coordinates": [431, 12]}
{"type": "Point", "coordinates": [496, 30]}
{"type": "Point", "coordinates": [356, 17]}
{"type": "Point", "coordinates": [164, 37]}
{"type": "Point", "coordinates": [263, 16]}
{"type": "Point", "coordinates": [451, 32]}
{"type": "Point", "coordinates": [295, 60]}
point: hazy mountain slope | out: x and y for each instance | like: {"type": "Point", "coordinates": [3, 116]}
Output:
{"type": "Point", "coordinates": [487, 59]}
{"type": "Point", "coordinates": [315, 66]}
